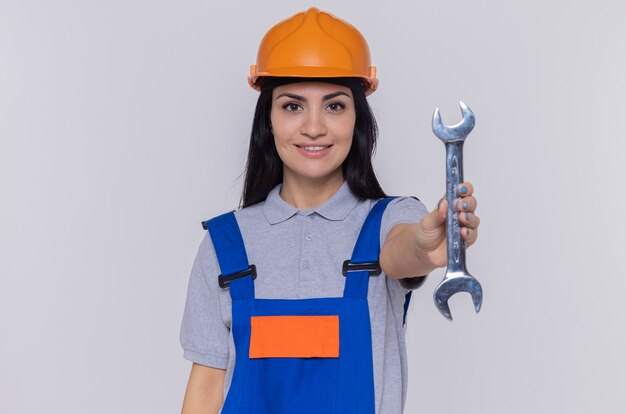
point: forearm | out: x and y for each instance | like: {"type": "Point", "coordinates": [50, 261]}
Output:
{"type": "Point", "coordinates": [401, 256]}
{"type": "Point", "coordinates": [204, 394]}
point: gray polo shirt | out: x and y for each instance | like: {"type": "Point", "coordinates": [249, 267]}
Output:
{"type": "Point", "coordinates": [298, 254]}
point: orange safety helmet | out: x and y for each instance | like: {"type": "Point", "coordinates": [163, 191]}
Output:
{"type": "Point", "coordinates": [313, 44]}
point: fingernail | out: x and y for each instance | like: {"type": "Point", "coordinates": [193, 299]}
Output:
{"type": "Point", "coordinates": [465, 205]}
{"type": "Point", "coordinates": [463, 190]}
{"type": "Point", "coordinates": [467, 232]}
{"type": "Point", "coordinates": [467, 216]}
{"type": "Point", "coordinates": [439, 204]}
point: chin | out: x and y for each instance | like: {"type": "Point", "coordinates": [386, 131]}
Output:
{"type": "Point", "coordinates": [317, 175]}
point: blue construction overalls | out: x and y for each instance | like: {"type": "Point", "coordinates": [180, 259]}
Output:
{"type": "Point", "coordinates": [280, 366]}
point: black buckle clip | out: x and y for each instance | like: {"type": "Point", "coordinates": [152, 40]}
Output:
{"type": "Point", "coordinates": [373, 267]}
{"type": "Point", "coordinates": [224, 281]}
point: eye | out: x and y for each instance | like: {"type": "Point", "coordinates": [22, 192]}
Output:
{"type": "Point", "coordinates": [336, 106]}
{"type": "Point", "coordinates": [291, 107]}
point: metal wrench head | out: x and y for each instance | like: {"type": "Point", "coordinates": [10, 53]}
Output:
{"type": "Point", "coordinates": [456, 132]}
{"type": "Point", "coordinates": [454, 283]}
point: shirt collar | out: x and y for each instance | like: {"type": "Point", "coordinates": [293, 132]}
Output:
{"type": "Point", "coordinates": [335, 208]}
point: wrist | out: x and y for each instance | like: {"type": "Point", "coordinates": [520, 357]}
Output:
{"type": "Point", "coordinates": [427, 250]}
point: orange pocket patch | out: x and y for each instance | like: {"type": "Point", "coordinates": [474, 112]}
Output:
{"type": "Point", "coordinates": [294, 336]}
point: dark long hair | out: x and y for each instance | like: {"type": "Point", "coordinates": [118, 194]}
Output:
{"type": "Point", "coordinates": [264, 168]}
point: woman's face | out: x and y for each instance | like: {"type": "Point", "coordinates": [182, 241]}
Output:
{"type": "Point", "coordinates": [313, 124]}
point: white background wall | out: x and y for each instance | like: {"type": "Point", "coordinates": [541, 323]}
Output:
{"type": "Point", "coordinates": [124, 124]}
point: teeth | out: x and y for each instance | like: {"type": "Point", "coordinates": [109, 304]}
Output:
{"type": "Point", "coordinates": [314, 148]}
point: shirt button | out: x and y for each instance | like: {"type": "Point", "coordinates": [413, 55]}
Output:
{"type": "Point", "coordinates": [305, 264]}
{"type": "Point", "coordinates": [308, 236]}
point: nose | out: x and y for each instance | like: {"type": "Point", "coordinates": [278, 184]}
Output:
{"type": "Point", "coordinates": [313, 125]}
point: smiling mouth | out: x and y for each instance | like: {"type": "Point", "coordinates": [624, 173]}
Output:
{"type": "Point", "coordinates": [314, 151]}
{"type": "Point", "coordinates": [314, 147]}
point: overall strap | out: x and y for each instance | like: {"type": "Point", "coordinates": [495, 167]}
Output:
{"type": "Point", "coordinates": [365, 253]}
{"type": "Point", "coordinates": [237, 274]}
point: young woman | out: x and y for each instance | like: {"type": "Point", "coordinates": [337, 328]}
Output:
{"type": "Point", "coordinates": [297, 300]}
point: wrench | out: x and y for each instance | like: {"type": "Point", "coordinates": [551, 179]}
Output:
{"type": "Point", "coordinates": [457, 278]}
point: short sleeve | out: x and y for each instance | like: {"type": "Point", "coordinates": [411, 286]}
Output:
{"type": "Point", "coordinates": [203, 334]}
{"type": "Point", "coordinates": [403, 210]}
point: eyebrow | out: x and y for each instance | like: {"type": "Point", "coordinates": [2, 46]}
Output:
{"type": "Point", "coordinates": [303, 99]}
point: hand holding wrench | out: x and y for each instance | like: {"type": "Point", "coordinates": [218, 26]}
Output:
{"type": "Point", "coordinates": [457, 278]}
